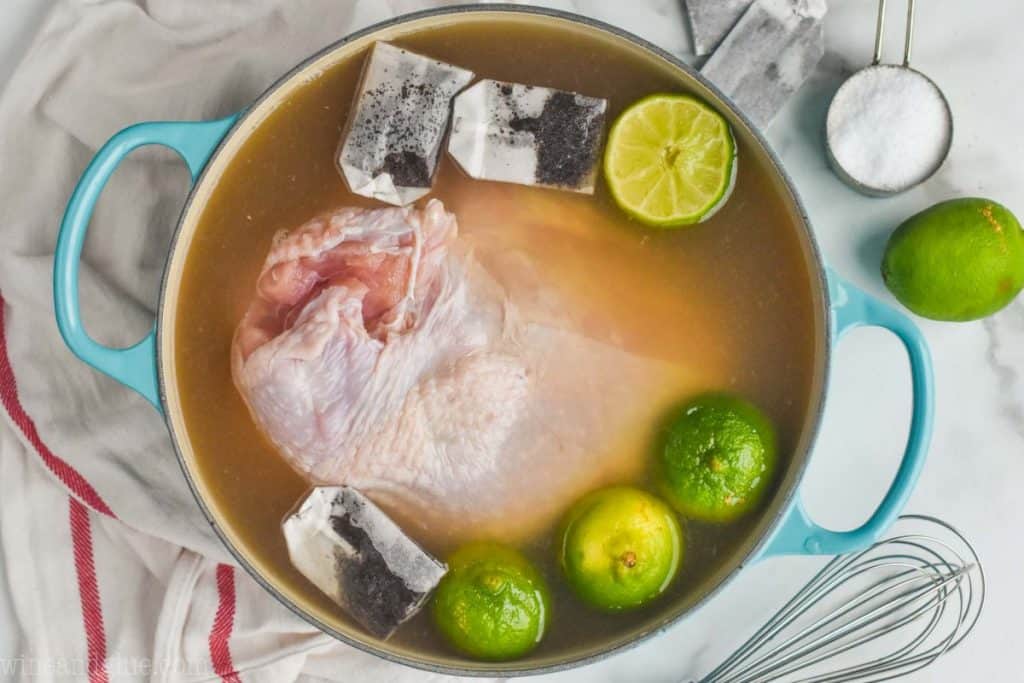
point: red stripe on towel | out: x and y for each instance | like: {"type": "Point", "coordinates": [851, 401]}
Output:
{"type": "Point", "coordinates": [67, 474]}
{"type": "Point", "coordinates": [88, 591]}
{"type": "Point", "coordinates": [223, 624]}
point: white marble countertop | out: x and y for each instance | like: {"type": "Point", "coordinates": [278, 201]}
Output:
{"type": "Point", "coordinates": [976, 466]}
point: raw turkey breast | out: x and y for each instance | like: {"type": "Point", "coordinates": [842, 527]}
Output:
{"type": "Point", "coordinates": [468, 400]}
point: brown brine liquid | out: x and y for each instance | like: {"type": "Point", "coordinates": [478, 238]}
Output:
{"type": "Point", "coordinates": [734, 294]}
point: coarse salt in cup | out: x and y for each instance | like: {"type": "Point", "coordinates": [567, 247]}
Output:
{"type": "Point", "coordinates": [889, 126]}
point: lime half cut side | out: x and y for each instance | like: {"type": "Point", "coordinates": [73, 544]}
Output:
{"type": "Point", "coordinates": [670, 161]}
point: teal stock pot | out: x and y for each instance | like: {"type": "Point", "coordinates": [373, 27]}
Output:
{"type": "Point", "coordinates": [204, 146]}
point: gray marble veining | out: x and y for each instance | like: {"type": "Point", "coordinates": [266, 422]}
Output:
{"type": "Point", "coordinates": [1005, 356]}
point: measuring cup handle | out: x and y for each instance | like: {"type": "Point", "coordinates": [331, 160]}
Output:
{"type": "Point", "coordinates": [797, 534]}
{"type": "Point", "coordinates": [134, 366]}
{"type": "Point", "coordinates": [908, 43]}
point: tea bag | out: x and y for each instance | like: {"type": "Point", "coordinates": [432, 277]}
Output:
{"type": "Point", "coordinates": [768, 55]}
{"type": "Point", "coordinates": [710, 21]}
{"type": "Point", "coordinates": [391, 146]}
{"type": "Point", "coordinates": [348, 548]}
{"type": "Point", "coordinates": [526, 134]}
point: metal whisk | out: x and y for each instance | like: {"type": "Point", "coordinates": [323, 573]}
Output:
{"type": "Point", "coordinates": [921, 590]}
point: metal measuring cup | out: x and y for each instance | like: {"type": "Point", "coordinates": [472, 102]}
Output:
{"type": "Point", "coordinates": [889, 126]}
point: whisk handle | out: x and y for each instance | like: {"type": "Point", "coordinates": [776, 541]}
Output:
{"type": "Point", "coordinates": [797, 534]}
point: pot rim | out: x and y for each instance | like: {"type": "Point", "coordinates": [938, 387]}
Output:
{"type": "Point", "coordinates": [784, 498]}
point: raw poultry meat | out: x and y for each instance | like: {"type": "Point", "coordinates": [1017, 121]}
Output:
{"type": "Point", "coordinates": [466, 399]}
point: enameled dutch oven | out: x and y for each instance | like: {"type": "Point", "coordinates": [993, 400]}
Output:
{"type": "Point", "coordinates": [206, 146]}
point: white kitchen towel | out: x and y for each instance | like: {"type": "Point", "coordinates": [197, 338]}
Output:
{"type": "Point", "coordinates": [114, 573]}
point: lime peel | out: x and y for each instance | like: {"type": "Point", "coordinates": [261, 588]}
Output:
{"type": "Point", "coordinates": [620, 548]}
{"type": "Point", "coordinates": [960, 260]}
{"type": "Point", "coordinates": [716, 458]}
{"type": "Point", "coordinates": [493, 604]}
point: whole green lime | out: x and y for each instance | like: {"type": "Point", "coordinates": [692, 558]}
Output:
{"type": "Point", "coordinates": [959, 260]}
{"type": "Point", "coordinates": [716, 458]}
{"type": "Point", "coordinates": [492, 604]}
{"type": "Point", "coordinates": [620, 548]}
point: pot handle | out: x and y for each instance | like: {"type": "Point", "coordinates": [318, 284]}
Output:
{"type": "Point", "coordinates": [797, 534]}
{"type": "Point", "coordinates": [134, 366]}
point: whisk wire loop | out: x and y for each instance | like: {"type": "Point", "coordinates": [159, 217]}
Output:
{"type": "Point", "coordinates": [913, 597]}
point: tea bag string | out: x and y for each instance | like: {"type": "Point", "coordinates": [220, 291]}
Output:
{"type": "Point", "coordinates": [908, 43]}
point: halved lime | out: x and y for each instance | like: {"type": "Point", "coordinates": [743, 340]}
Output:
{"type": "Point", "coordinates": [670, 161]}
